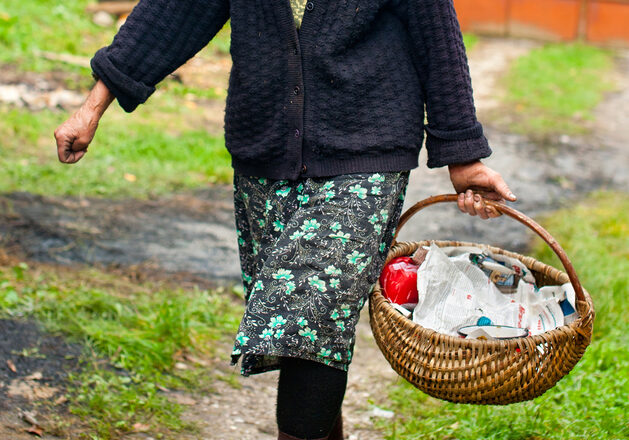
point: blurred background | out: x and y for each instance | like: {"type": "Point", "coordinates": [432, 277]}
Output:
{"type": "Point", "coordinates": [119, 276]}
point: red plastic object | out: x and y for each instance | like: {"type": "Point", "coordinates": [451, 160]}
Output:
{"type": "Point", "coordinates": [399, 281]}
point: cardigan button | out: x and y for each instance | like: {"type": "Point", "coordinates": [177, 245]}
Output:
{"type": "Point", "coordinates": [310, 6]}
{"type": "Point", "coordinates": [296, 90]}
{"type": "Point", "coordinates": [304, 168]}
{"type": "Point", "coordinates": [297, 132]}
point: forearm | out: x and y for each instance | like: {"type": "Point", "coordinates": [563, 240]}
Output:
{"type": "Point", "coordinates": [98, 100]}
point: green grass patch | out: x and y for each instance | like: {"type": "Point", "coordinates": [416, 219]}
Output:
{"type": "Point", "coordinates": [139, 329]}
{"type": "Point", "coordinates": [591, 402]}
{"type": "Point", "coordinates": [470, 41]}
{"type": "Point", "coordinates": [28, 27]}
{"type": "Point", "coordinates": [156, 151]}
{"type": "Point", "coordinates": [555, 88]}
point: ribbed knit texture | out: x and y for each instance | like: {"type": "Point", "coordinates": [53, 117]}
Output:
{"type": "Point", "coordinates": [344, 94]}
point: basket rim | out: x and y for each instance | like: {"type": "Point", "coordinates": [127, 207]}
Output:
{"type": "Point", "coordinates": [585, 309]}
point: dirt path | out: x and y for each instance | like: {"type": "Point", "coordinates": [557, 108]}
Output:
{"type": "Point", "coordinates": [191, 236]}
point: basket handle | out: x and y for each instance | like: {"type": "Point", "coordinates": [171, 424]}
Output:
{"type": "Point", "coordinates": [517, 215]}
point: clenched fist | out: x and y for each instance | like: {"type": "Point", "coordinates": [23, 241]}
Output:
{"type": "Point", "coordinates": [74, 135]}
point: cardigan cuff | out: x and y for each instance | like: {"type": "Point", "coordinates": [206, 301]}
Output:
{"type": "Point", "coordinates": [454, 147]}
{"type": "Point", "coordinates": [129, 92]}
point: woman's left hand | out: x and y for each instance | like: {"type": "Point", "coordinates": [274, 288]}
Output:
{"type": "Point", "coordinates": [473, 179]}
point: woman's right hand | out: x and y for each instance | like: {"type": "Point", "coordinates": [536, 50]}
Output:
{"type": "Point", "coordinates": [74, 135]}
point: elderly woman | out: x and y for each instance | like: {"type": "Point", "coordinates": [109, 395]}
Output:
{"type": "Point", "coordinates": [324, 120]}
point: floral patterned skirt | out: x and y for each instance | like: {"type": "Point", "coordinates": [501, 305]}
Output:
{"type": "Point", "coordinates": [310, 252]}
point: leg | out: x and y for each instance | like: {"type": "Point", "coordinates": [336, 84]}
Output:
{"type": "Point", "coordinates": [309, 399]}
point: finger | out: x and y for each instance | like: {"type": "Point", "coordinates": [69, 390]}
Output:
{"type": "Point", "coordinates": [492, 212]}
{"type": "Point", "coordinates": [502, 188]}
{"type": "Point", "coordinates": [461, 202]}
{"type": "Point", "coordinates": [469, 202]}
{"type": "Point", "coordinates": [479, 207]}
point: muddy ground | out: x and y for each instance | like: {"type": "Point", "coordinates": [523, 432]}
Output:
{"type": "Point", "coordinates": [191, 236]}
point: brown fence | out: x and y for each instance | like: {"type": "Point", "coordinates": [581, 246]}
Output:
{"type": "Point", "coordinates": [597, 21]}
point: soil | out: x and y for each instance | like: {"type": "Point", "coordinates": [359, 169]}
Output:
{"type": "Point", "coordinates": [34, 367]}
{"type": "Point", "coordinates": [190, 237]}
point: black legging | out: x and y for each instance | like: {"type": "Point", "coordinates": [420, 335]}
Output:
{"type": "Point", "coordinates": [309, 397]}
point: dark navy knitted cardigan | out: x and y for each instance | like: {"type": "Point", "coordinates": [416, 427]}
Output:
{"type": "Point", "coordinates": [343, 94]}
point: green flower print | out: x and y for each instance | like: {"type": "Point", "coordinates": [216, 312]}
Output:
{"type": "Point", "coordinates": [308, 333]}
{"type": "Point", "coordinates": [302, 322]}
{"type": "Point", "coordinates": [340, 236]}
{"type": "Point", "coordinates": [373, 219]}
{"type": "Point", "coordinates": [341, 325]}
{"type": "Point", "coordinates": [256, 247]}
{"type": "Point", "coordinates": [384, 214]}
{"type": "Point", "coordinates": [283, 274]}
{"type": "Point", "coordinates": [329, 195]}
{"type": "Point", "coordinates": [277, 321]}
{"type": "Point", "coordinates": [375, 178]}
{"type": "Point", "coordinates": [262, 181]}
{"type": "Point", "coordinates": [335, 314]}
{"type": "Point", "coordinates": [267, 333]}
{"type": "Point", "coordinates": [336, 226]}
{"type": "Point", "coordinates": [267, 206]}
{"type": "Point", "coordinates": [335, 283]}
{"type": "Point", "coordinates": [346, 311]}
{"type": "Point", "coordinates": [247, 278]}
{"type": "Point", "coordinates": [328, 185]}
{"type": "Point", "coordinates": [360, 192]}
{"type": "Point", "coordinates": [377, 228]}
{"type": "Point", "coordinates": [324, 352]}
{"type": "Point", "coordinates": [355, 257]}
{"type": "Point", "coordinates": [332, 270]}
{"type": "Point", "coordinates": [376, 190]}
{"type": "Point", "coordinates": [314, 281]}
{"type": "Point", "coordinates": [283, 192]}
{"type": "Point", "coordinates": [279, 333]}
{"type": "Point", "coordinates": [296, 235]}
{"type": "Point", "coordinates": [310, 225]}
{"type": "Point", "coordinates": [278, 226]}
{"type": "Point", "coordinates": [259, 285]}
{"type": "Point", "coordinates": [337, 357]}
{"type": "Point", "coordinates": [309, 236]}
{"type": "Point", "coordinates": [300, 187]}
{"type": "Point", "coordinates": [261, 223]}
{"type": "Point", "coordinates": [241, 338]}
{"type": "Point", "coordinates": [382, 247]}
{"type": "Point", "coordinates": [290, 287]}
{"type": "Point", "coordinates": [303, 199]}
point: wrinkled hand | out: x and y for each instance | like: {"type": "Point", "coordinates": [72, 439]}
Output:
{"type": "Point", "coordinates": [74, 135]}
{"type": "Point", "coordinates": [471, 180]}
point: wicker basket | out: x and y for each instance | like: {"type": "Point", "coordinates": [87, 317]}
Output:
{"type": "Point", "coordinates": [482, 371]}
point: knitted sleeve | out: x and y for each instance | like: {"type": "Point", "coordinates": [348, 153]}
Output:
{"type": "Point", "coordinates": [454, 135]}
{"type": "Point", "coordinates": [157, 38]}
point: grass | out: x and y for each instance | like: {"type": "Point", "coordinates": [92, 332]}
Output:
{"type": "Point", "coordinates": [555, 89]}
{"type": "Point", "coordinates": [151, 153]}
{"type": "Point", "coordinates": [31, 26]}
{"type": "Point", "coordinates": [591, 402]}
{"type": "Point", "coordinates": [140, 330]}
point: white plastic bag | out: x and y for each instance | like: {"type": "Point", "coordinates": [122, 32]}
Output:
{"type": "Point", "coordinates": [454, 292]}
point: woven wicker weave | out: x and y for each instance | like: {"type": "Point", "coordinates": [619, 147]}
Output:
{"type": "Point", "coordinates": [482, 371]}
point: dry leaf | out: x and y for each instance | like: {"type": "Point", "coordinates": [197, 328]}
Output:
{"type": "Point", "coordinates": [35, 376]}
{"type": "Point", "coordinates": [181, 366]}
{"type": "Point", "coordinates": [11, 365]}
{"type": "Point", "coordinates": [182, 399]}
{"type": "Point", "coordinates": [140, 427]}
{"type": "Point", "coordinates": [162, 388]}
{"type": "Point", "coordinates": [61, 400]}
{"type": "Point", "coordinates": [29, 417]}
{"type": "Point", "coordinates": [130, 177]}
{"type": "Point", "coordinates": [35, 430]}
